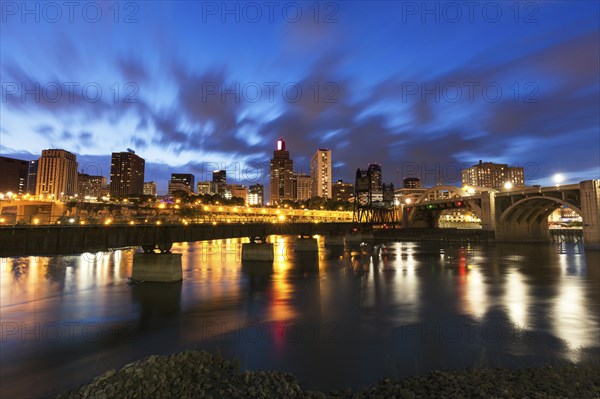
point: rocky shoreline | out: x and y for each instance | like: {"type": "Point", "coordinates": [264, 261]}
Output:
{"type": "Point", "coordinates": [195, 374]}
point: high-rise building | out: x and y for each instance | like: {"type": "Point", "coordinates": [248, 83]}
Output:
{"type": "Point", "coordinates": [219, 179]}
{"type": "Point", "coordinates": [13, 175]}
{"type": "Point", "coordinates": [57, 174]}
{"type": "Point", "coordinates": [209, 187]}
{"type": "Point", "coordinates": [320, 173]}
{"type": "Point", "coordinates": [150, 188]}
{"type": "Point", "coordinates": [181, 182]}
{"type": "Point", "coordinates": [256, 195]}
{"type": "Point", "coordinates": [493, 175]}
{"type": "Point", "coordinates": [219, 176]}
{"type": "Point", "coordinates": [126, 174]}
{"type": "Point", "coordinates": [341, 191]}
{"type": "Point", "coordinates": [376, 182]}
{"type": "Point", "coordinates": [32, 177]}
{"type": "Point", "coordinates": [281, 179]}
{"type": "Point", "coordinates": [89, 186]}
{"type": "Point", "coordinates": [302, 186]}
{"type": "Point", "coordinates": [411, 182]}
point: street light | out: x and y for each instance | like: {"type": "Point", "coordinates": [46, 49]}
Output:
{"type": "Point", "coordinates": [558, 178]}
{"type": "Point", "coordinates": [508, 185]}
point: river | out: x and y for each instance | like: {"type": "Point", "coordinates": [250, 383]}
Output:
{"type": "Point", "coordinates": [333, 320]}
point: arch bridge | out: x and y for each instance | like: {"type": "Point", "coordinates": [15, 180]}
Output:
{"type": "Point", "coordinates": [515, 215]}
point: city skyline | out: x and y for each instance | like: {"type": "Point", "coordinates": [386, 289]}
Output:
{"type": "Point", "coordinates": [354, 89]}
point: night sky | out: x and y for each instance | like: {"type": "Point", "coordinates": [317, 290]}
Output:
{"type": "Point", "coordinates": [389, 82]}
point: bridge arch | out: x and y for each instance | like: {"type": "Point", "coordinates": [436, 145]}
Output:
{"type": "Point", "coordinates": [535, 209]}
{"type": "Point", "coordinates": [430, 218]}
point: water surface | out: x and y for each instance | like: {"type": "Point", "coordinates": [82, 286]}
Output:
{"type": "Point", "coordinates": [333, 320]}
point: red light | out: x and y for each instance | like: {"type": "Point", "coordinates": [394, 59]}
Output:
{"type": "Point", "coordinates": [459, 203]}
{"type": "Point", "coordinates": [407, 209]}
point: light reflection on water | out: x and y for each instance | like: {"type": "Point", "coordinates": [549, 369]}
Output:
{"type": "Point", "coordinates": [334, 320]}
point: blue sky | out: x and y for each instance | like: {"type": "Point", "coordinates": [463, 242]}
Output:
{"type": "Point", "coordinates": [419, 87]}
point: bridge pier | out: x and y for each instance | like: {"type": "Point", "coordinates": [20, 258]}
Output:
{"type": "Point", "coordinates": [522, 232]}
{"type": "Point", "coordinates": [488, 210]}
{"type": "Point", "coordinates": [161, 268]}
{"type": "Point", "coordinates": [258, 249]}
{"type": "Point", "coordinates": [305, 243]}
{"type": "Point", "coordinates": [590, 207]}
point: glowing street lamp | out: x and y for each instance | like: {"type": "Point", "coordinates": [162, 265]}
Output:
{"type": "Point", "coordinates": [508, 185]}
{"type": "Point", "coordinates": [558, 178]}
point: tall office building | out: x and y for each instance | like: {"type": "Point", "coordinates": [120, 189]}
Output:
{"type": "Point", "coordinates": [281, 179]}
{"type": "Point", "coordinates": [208, 187]}
{"type": "Point", "coordinates": [32, 177]}
{"type": "Point", "coordinates": [89, 186]}
{"type": "Point", "coordinates": [493, 175]}
{"type": "Point", "coordinates": [302, 186]}
{"type": "Point", "coordinates": [56, 174]}
{"type": "Point", "coordinates": [256, 195]}
{"type": "Point", "coordinates": [126, 174]}
{"type": "Point", "coordinates": [219, 176]}
{"type": "Point", "coordinates": [150, 188]}
{"type": "Point", "coordinates": [320, 173]}
{"type": "Point", "coordinates": [219, 179]}
{"type": "Point", "coordinates": [13, 175]}
{"type": "Point", "coordinates": [376, 182]}
{"type": "Point", "coordinates": [181, 182]}
{"type": "Point", "coordinates": [341, 191]}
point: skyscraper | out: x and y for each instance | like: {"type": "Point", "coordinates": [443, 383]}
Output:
{"type": "Point", "coordinates": [57, 174]}
{"type": "Point", "coordinates": [376, 183]}
{"type": "Point", "coordinates": [302, 186]}
{"type": "Point", "coordinates": [256, 194]}
{"type": "Point", "coordinates": [493, 175]}
{"type": "Point", "coordinates": [219, 176]}
{"type": "Point", "coordinates": [89, 186]}
{"type": "Point", "coordinates": [281, 185]}
{"type": "Point", "coordinates": [13, 175]}
{"type": "Point", "coordinates": [320, 173]}
{"type": "Point", "coordinates": [32, 177]}
{"type": "Point", "coordinates": [181, 182]}
{"type": "Point", "coordinates": [341, 191]}
{"type": "Point", "coordinates": [126, 174]}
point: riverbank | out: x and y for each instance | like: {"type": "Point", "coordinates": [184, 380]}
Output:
{"type": "Point", "coordinates": [194, 374]}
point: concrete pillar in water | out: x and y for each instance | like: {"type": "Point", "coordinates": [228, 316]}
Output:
{"type": "Point", "coordinates": [590, 207]}
{"type": "Point", "coordinates": [258, 249]}
{"type": "Point", "coordinates": [162, 268]}
{"type": "Point", "coordinates": [306, 244]}
{"type": "Point", "coordinates": [488, 210]}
